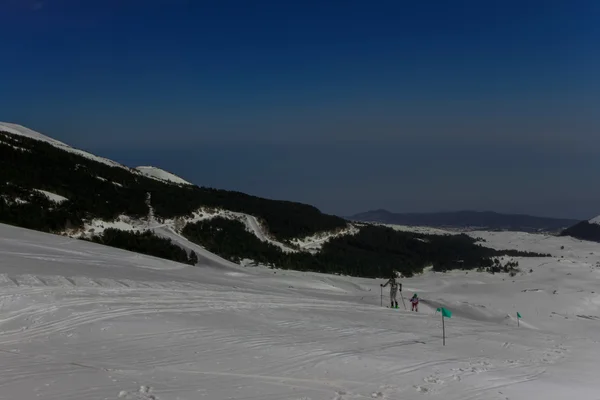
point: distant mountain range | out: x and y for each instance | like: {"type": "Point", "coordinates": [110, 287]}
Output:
{"type": "Point", "coordinates": [485, 220]}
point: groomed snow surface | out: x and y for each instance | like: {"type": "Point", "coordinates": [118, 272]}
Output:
{"type": "Point", "coordinates": [83, 321]}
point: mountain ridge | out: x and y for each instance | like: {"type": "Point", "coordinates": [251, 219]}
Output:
{"type": "Point", "coordinates": [465, 219]}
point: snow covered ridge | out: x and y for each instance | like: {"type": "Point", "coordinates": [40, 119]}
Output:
{"type": "Point", "coordinates": [595, 220]}
{"type": "Point", "coordinates": [315, 242]}
{"type": "Point", "coordinates": [26, 132]}
{"type": "Point", "coordinates": [150, 172]}
{"type": "Point", "coordinates": [49, 195]}
{"type": "Point", "coordinates": [157, 173]}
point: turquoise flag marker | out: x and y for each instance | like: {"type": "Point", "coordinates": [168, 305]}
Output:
{"type": "Point", "coordinates": [445, 313]}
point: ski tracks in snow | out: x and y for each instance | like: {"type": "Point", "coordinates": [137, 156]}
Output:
{"type": "Point", "coordinates": [189, 340]}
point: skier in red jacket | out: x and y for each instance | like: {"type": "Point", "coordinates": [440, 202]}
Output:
{"type": "Point", "coordinates": [415, 303]}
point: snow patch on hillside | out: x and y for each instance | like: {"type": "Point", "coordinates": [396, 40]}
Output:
{"type": "Point", "coordinates": [419, 229]}
{"type": "Point", "coordinates": [122, 222]}
{"type": "Point", "coordinates": [52, 196]}
{"type": "Point", "coordinates": [106, 180]}
{"type": "Point", "coordinates": [10, 201]}
{"type": "Point", "coordinates": [315, 242]}
{"type": "Point", "coordinates": [22, 149]}
{"type": "Point", "coordinates": [162, 175]}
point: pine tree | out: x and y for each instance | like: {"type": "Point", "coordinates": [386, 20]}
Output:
{"type": "Point", "coordinates": [193, 259]}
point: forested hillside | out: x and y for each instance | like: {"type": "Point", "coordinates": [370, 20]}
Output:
{"type": "Point", "coordinates": [374, 252]}
{"type": "Point", "coordinates": [98, 190]}
{"type": "Point", "coordinates": [145, 243]}
{"type": "Point", "coordinates": [584, 230]}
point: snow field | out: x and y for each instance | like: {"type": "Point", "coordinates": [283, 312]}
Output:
{"type": "Point", "coordinates": [81, 320]}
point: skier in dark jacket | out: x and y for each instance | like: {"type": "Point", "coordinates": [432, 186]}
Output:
{"type": "Point", "coordinates": [394, 286]}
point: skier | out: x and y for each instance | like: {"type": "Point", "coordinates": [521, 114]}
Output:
{"type": "Point", "coordinates": [394, 286]}
{"type": "Point", "coordinates": [415, 303]}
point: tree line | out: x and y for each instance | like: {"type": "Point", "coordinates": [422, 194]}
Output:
{"type": "Point", "coordinates": [145, 243]}
{"type": "Point", "coordinates": [373, 252]}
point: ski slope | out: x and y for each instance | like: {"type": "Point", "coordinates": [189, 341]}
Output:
{"type": "Point", "coordinates": [83, 321]}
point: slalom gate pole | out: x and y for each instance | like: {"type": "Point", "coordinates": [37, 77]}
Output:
{"type": "Point", "coordinates": [381, 297]}
{"type": "Point", "coordinates": [443, 329]}
{"type": "Point", "coordinates": [517, 320]}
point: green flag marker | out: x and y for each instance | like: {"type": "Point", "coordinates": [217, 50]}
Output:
{"type": "Point", "coordinates": [518, 315]}
{"type": "Point", "coordinates": [446, 313]}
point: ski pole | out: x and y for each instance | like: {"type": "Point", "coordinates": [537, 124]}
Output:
{"type": "Point", "coordinates": [402, 297]}
{"type": "Point", "coordinates": [381, 297]}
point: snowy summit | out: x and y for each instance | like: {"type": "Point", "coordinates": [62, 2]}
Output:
{"type": "Point", "coordinates": [157, 173]}
{"type": "Point", "coordinates": [595, 220]}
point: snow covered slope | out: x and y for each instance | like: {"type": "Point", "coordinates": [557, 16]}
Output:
{"type": "Point", "coordinates": [80, 320]}
{"type": "Point", "coordinates": [157, 173]}
{"type": "Point", "coordinates": [595, 220]}
{"type": "Point", "coordinates": [23, 131]}
{"type": "Point", "coordinates": [52, 196]}
{"type": "Point", "coordinates": [315, 242]}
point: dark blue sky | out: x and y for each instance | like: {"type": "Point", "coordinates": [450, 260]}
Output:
{"type": "Point", "coordinates": [347, 105]}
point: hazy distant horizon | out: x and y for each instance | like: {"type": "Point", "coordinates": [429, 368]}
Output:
{"type": "Point", "coordinates": [248, 184]}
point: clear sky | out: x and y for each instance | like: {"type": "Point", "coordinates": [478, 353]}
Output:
{"type": "Point", "coordinates": [347, 105]}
